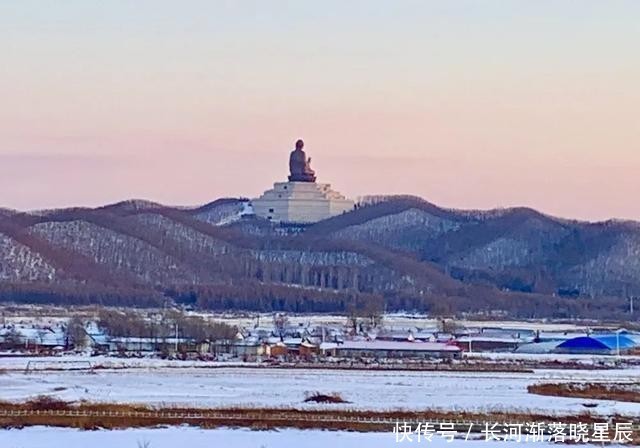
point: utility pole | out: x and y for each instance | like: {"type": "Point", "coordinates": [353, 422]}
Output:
{"type": "Point", "coordinates": [176, 341]}
{"type": "Point", "coordinates": [630, 297]}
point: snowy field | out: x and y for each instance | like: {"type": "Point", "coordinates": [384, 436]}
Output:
{"type": "Point", "coordinates": [376, 390]}
{"type": "Point", "coordinates": [41, 437]}
{"type": "Point", "coordinates": [9, 361]}
{"type": "Point", "coordinates": [45, 315]}
{"type": "Point", "coordinates": [19, 363]}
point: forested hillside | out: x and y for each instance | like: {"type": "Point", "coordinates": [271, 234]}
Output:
{"type": "Point", "coordinates": [400, 253]}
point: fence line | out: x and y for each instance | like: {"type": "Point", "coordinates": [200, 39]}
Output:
{"type": "Point", "coordinates": [217, 415]}
{"type": "Point", "coordinates": [257, 416]}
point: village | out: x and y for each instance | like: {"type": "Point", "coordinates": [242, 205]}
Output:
{"type": "Point", "coordinates": [281, 338]}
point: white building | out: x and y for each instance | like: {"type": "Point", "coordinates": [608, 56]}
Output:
{"type": "Point", "coordinates": [300, 202]}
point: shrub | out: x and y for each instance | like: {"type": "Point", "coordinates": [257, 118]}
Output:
{"type": "Point", "coordinates": [45, 402]}
{"type": "Point", "coordinates": [317, 397]}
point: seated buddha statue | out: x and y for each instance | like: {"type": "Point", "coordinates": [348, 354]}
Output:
{"type": "Point", "coordinates": [300, 166]}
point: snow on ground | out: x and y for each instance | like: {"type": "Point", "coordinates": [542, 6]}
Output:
{"type": "Point", "coordinates": [393, 321]}
{"type": "Point", "coordinates": [378, 390]}
{"type": "Point", "coordinates": [66, 362]}
{"type": "Point", "coordinates": [44, 437]}
{"type": "Point", "coordinates": [9, 361]}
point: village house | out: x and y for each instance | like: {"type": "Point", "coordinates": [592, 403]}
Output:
{"type": "Point", "coordinates": [482, 343]}
{"type": "Point", "coordinates": [40, 340]}
{"type": "Point", "coordinates": [390, 349]}
{"type": "Point", "coordinates": [308, 350]}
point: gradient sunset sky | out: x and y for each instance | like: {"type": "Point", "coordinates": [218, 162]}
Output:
{"type": "Point", "coordinates": [469, 104]}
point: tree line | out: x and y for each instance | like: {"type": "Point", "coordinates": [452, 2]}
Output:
{"type": "Point", "coordinates": [272, 297]}
{"type": "Point", "coordinates": [167, 324]}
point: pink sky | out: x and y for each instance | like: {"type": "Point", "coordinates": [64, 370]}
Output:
{"type": "Point", "coordinates": [467, 104]}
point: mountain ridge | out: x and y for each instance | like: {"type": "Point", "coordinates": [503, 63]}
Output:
{"type": "Point", "coordinates": [404, 252]}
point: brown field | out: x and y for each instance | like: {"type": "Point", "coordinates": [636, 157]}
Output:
{"type": "Point", "coordinates": [594, 391]}
{"type": "Point", "coordinates": [42, 411]}
{"type": "Point", "coordinates": [47, 411]}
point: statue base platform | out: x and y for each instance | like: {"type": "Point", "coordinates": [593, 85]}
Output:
{"type": "Point", "coordinates": [300, 202]}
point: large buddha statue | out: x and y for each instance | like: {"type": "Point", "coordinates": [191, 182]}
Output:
{"type": "Point", "coordinates": [300, 166]}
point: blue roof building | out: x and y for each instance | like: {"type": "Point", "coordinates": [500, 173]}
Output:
{"type": "Point", "coordinates": [600, 344]}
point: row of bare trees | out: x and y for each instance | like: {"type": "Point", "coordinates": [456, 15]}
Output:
{"type": "Point", "coordinates": [269, 297]}
{"type": "Point", "coordinates": [162, 325]}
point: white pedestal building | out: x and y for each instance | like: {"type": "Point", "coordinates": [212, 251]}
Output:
{"type": "Point", "coordinates": [301, 200]}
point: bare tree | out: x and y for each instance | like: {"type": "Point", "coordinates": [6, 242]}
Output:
{"type": "Point", "coordinates": [448, 326]}
{"type": "Point", "coordinates": [280, 323]}
{"type": "Point", "coordinates": [75, 333]}
{"type": "Point", "coordinates": [365, 312]}
{"type": "Point", "coordinates": [13, 337]}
